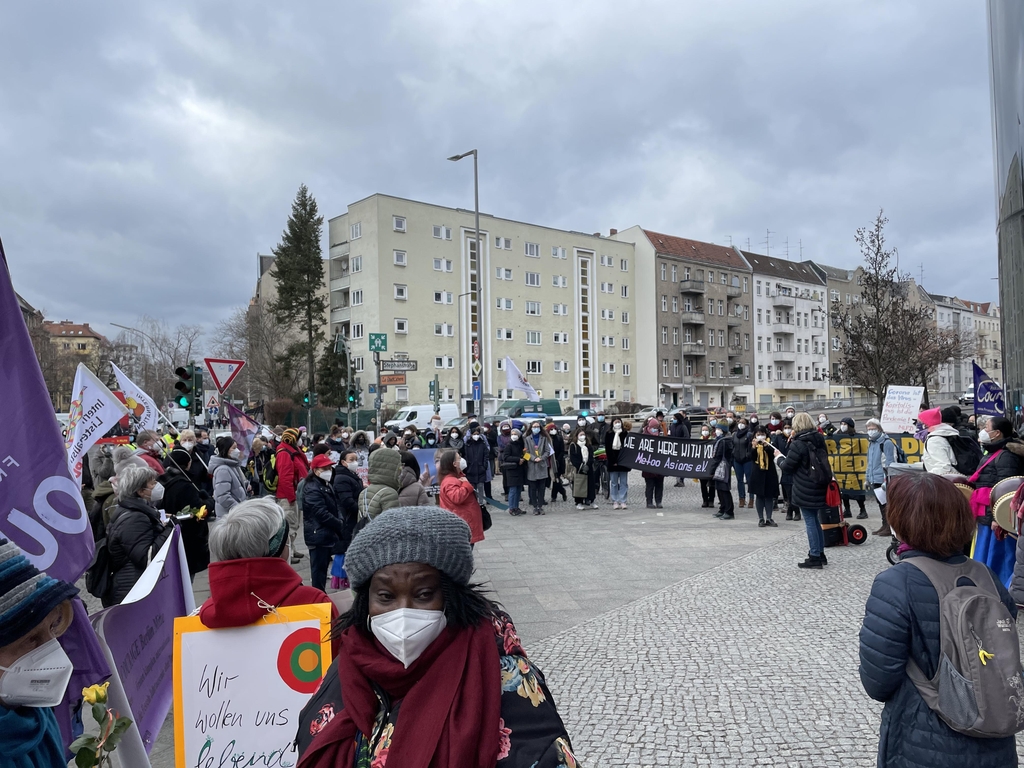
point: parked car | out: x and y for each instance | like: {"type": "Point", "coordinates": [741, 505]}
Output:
{"type": "Point", "coordinates": [967, 398]}
{"type": "Point", "coordinates": [515, 408]}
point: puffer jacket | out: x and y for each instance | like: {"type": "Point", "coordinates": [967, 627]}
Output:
{"type": "Point", "coordinates": [938, 456]}
{"type": "Point", "coordinates": [613, 454]}
{"type": "Point", "coordinates": [881, 453]}
{"type": "Point", "coordinates": [1009, 463]}
{"type": "Point", "coordinates": [742, 445]}
{"type": "Point", "coordinates": [181, 492]}
{"type": "Point", "coordinates": [512, 465]}
{"type": "Point", "coordinates": [458, 496]}
{"type": "Point", "coordinates": [228, 483]}
{"type": "Point", "coordinates": [384, 474]}
{"type": "Point", "coordinates": [292, 466]}
{"type": "Point", "coordinates": [321, 519]}
{"type": "Point", "coordinates": [347, 487]}
{"type": "Point", "coordinates": [413, 494]}
{"type": "Point", "coordinates": [781, 444]}
{"type": "Point", "coordinates": [901, 622]}
{"type": "Point", "coordinates": [806, 494]}
{"type": "Point", "coordinates": [134, 535]}
{"type": "Point", "coordinates": [478, 455]}
{"type": "Point", "coordinates": [723, 452]}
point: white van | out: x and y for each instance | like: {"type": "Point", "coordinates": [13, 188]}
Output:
{"type": "Point", "coordinates": [419, 416]}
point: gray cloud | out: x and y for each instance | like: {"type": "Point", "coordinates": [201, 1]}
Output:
{"type": "Point", "coordinates": [150, 150]}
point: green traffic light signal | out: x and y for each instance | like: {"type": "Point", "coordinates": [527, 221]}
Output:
{"type": "Point", "coordinates": [186, 385]}
{"type": "Point", "coordinates": [305, 400]}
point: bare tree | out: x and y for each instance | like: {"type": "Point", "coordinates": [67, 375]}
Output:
{"type": "Point", "coordinates": [254, 335]}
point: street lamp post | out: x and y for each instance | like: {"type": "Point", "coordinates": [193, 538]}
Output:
{"type": "Point", "coordinates": [479, 270]}
{"type": "Point", "coordinates": [458, 334]}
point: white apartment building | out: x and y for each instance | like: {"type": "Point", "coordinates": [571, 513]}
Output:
{"type": "Point", "coordinates": [560, 304]}
{"type": "Point", "coordinates": [954, 376]}
{"type": "Point", "coordinates": [791, 355]}
{"type": "Point", "coordinates": [987, 329]}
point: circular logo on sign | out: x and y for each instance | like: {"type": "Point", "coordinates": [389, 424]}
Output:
{"type": "Point", "coordinates": [298, 661]}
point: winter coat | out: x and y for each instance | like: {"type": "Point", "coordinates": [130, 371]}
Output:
{"type": "Point", "coordinates": [538, 470]}
{"type": "Point", "coordinates": [613, 454]}
{"type": "Point", "coordinates": [807, 493]}
{"type": "Point", "coordinates": [238, 587]}
{"type": "Point", "coordinates": [321, 518]}
{"type": "Point", "coordinates": [458, 496]}
{"type": "Point", "coordinates": [198, 469]}
{"type": "Point", "coordinates": [384, 476]}
{"type": "Point", "coordinates": [938, 456]}
{"type": "Point", "coordinates": [1009, 463]}
{"type": "Point", "coordinates": [723, 452]}
{"type": "Point", "coordinates": [478, 454]}
{"type": "Point", "coordinates": [901, 622]}
{"type": "Point", "coordinates": [104, 500]}
{"type": "Point", "coordinates": [228, 483]}
{"type": "Point", "coordinates": [180, 492]}
{"type": "Point", "coordinates": [151, 461]}
{"type": "Point", "coordinates": [781, 444]}
{"type": "Point", "coordinates": [30, 738]}
{"type": "Point", "coordinates": [679, 429]}
{"type": "Point", "coordinates": [881, 453]}
{"type": "Point", "coordinates": [292, 466]}
{"type": "Point", "coordinates": [764, 482]}
{"type": "Point", "coordinates": [512, 465]}
{"type": "Point", "coordinates": [558, 446]}
{"type": "Point", "coordinates": [347, 487]}
{"type": "Point", "coordinates": [454, 443]}
{"type": "Point", "coordinates": [134, 535]}
{"type": "Point", "coordinates": [413, 494]}
{"type": "Point", "coordinates": [584, 484]}
{"type": "Point", "coordinates": [742, 446]}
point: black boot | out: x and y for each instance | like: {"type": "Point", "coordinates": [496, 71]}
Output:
{"type": "Point", "coordinates": [811, 562]}
{"type": "Point", "coordinates": [789, 514]}
{"type": "Point", "coordinates": [796, 514]}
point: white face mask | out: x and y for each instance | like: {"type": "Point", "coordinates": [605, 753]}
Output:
{"type": "Point", "coordinates": [37, 679]}
{"type": "Point", "coordinates": [704, 433]}
{"type": "Point", "coordinates": [156, 495]}
{"type": "Point", "coordinates": [234, 453]}
{"type": "Point", "coordinates": [822, 420]}
{"type": "Point", "coordinates": [324, 474]}
{"type": "Point", "coordinates": [984, 437]}
{"type": "Point", "coordinates": [344, 435]}
{"type": "Point", "coordinates": [872, 434]}
{"type": "Point", "coordinates": [205, 441]}
{"type": "Point", "coordinates": [514, 438]}
{"type": "Point", "coordinates": [617, 427]}
{"type": "Point", "coordinates": [581, 439]}
{"type": "Point", "coordinates": [407, 632]}
{"type": "Point", "coordinates": [463, 464]}
{"type": "Point", "coordinates": [353, 465]}
{"type": "Point", "coordinates": [476, 437]}
{"type": "Point", "coordinates": [188, 445]}
{"type": "Point", "coordinates": [408, 434]}
{"type": "Point", "coordinates": [843, 427]}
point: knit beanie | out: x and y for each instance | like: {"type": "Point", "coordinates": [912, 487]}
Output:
{"type": "Point", "coordinates": [429, 535]}
{"type": "Point", "coordinates": [26, 594]}
{"type": "Point", "coordinates": [931, 417]}
{"type": "Point", "coordinates": [951, 414]}
{"type": "Point", "coordinates": [290, 435]}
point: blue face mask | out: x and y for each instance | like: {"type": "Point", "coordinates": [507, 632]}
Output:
{"type": "Point", "coordinates": [536, 430]}
{"type": "Point", "coordinates": [600, 418]}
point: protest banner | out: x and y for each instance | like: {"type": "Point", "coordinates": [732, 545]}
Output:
{"type": "Point", "coordinates": [988, 396]}
{"type": "Point", "coordinates": [95, 410]}
{"type": "Point", "coordinates": [900, 409]}
{"type": "Point", "coordinates": [139, 404]}
{"type": "Point", "coordinates": [238, 692]}
{"type": "Point", "coordinates": [243, 428]}
{"type": "Point", "coordinates": [670, 456]}
{"type": "Point", "coordinates": [138, 636]}
{"type": "Point", "coordinates": [848, 456]}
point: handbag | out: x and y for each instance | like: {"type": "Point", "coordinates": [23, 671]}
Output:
{"type": "Point", "coordinates": [981, 498]}
{"type": "Point", "coordinates": [721, 472]}
{"type": "Point", "coordinates": [485, 518]}
{"type": "Point", "coordinates": [833, 497]}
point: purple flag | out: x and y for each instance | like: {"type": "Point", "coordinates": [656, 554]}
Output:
{"type": "Point", "coordinates": [243, 428]}
{"type": "Point", "coordinates": [41, 506]}
{"type": "Point", "coordinates": [988, 396]}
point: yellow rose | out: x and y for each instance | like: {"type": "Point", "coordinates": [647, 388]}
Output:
{"type": "Point", "coordinates": [201, 514]}
{"type": "Point", "coordinates": [96, 694]}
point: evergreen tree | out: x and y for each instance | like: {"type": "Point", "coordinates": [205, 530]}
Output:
{"type": "Point", "coordinates": [299, 268]}
{"type": "Point", "coordinates": [333, 374]}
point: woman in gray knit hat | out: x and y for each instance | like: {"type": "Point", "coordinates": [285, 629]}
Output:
{"type": "Point", "coordinates": [422, 640]}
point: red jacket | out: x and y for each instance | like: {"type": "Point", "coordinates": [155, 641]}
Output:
{"type": "Point", "coordinates": [152, 461]}
{"type": "Point", "coordinates": [234, 582]}
{"type": "Point", "coordinates": [292, 467]}
{"type": "Point", "coordinates": [458, 496]}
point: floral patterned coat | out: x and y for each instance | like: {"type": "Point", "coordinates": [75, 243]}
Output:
{"type": "Point", "coordinates": [532, 734]}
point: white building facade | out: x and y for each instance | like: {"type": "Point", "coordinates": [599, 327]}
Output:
{"type": "Point", "coordinates": [954, 376]}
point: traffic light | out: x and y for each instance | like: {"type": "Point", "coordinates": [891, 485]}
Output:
{"type": "Point", "coordinates": [433, 391]}
{"type": "Point", "coordinates": [352, 396]}
{"type": "Point", "coordinates": [186, 386]}
{"type": "Point", "coordinates": [197, 389]}
{"type": "Point", "coordinates": [307, 401]}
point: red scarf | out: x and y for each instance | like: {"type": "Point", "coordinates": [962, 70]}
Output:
{"type": "Point", "coordinates": [451, 702]}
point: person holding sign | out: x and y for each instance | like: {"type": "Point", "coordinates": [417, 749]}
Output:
{"type": "Point", "coordinates": [432, 671]}
{"type": "Point", "coordinates": [35, 610]}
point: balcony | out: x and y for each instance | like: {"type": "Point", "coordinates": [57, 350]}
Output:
{"type": "Point", "coordinates": [733, 320]}
{"type": "Point", "coordinates": [784, 356]}
{"type": "Point", "coordinates": [341, 314]}
{"type": "Point", "coordinates": [782, 300]}
{"type": "Point", "coordinates": [695, 379]}
{"type": "Point", "coordinates": [787, 329]}
{"type": "Point", "coordinates": [732, 291]}
{"type": "Point", "coordinates": [340, 283]}
{"type": "Point", "coordinates": [791, 383]}
{"type": "Point", "coordinates": [691, 286]}
{"type": "Point", "coordinates": [735, 350]}
{"type": "Point", "coordinates": [693, 348]}
{"type": "Point", "coordinates": [692, 318]}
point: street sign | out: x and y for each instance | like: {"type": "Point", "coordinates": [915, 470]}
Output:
{"type": "Point", "coordinates": [376, 404]}
{"type": "Point", "coordinates": [477, 389]}
{"type": "Point", "coordinates": [477, 367]}
{"type": "Point", "coordinates": [222, 371]}
{"type": "Point", "coordinates": [398, 365]}
{"type": "Point", "coordinates": [378, 342]}
{"type": "Point", "coordinates": [212, 401]}
{"type": "Point", "coordinates": [371, 389]}
{"type": "Point", "coordinates": [476, 350]}
{"type": "Point", "coordinates": [398, 379]}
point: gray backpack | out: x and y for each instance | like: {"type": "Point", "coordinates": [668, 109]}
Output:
{"type": "Point", "coordinates": [978, 689]}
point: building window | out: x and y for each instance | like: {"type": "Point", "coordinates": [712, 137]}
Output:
{"type": "Point", "coordinates": [664, 303]}
{"type": "Point", "coordinates": [675, 368]}
{"type": "Point", "coordinates": [688, 367]}
{"type": "Point", "coordinates": [711, 276]}
{"type": "Point", "coordinates": [501, 367]}
{"type": "Point", "coordinates": [356, 263]}
{"type": "Point", "coordinates": [675, 336]}
{"type": "Point", "coordinates": [533, 308]}
{"type": "Point", "coordinates": [664, 271]}
{"type": "Point", "coordinates": [664, 368]}
{"type": "Point", "coordinates": [533, 338]}
{"type": "Point", "coordinates": [357, 297]}
{"type": "Point", "coordinates": [357, 363]}
{"type": "Point", "coordinates": [503, 242]}
{"type": "Point", "coordinates": [607, 288]}
{"type": "Point", "coordinates": [533, 366]}
{"type": "Point", "coordinates": [561, 366]}
{"type": "Point", "coordinates": [624, 265]}
{"type": "Point", "coordinates": [675, 274]}
{"type": "Point", "coordinates": [559, 281]}
{"type": "Point", "coordinates": [357, 330]}
{"type": "Point", "coordinates": [724, 278]}
{"type": "Point", "coordinates": [442, 265]}
{"type": "Point", "coordinates": [664, 334]}
{"type": "Point", "coordinates": [402, 394]}
{"type": "Point", "coordinates": [401, 325]}
{"type": "Point", "coordinates": [561, 309]}
{"type": "Point", "coordinates": [533, 279]}
{"type": "Point", "coordinates": [401, 292]}
{"type": "Point", "coordinates": [532, 249]}
{"type": "Point", "coordinates": [746, 285]}
{"type": "Point", "coordinates": [503, 304]}
{"type": "Point", "coordinates": [400, 259]}
{"type": "Point", "coordinates": [711, 337]}
{"type": "Point", "coordinates": [625, 342]}
{"type": "Point", "coordinates": [504, 334]}
{"type": "Point", "coordinates": [625, 318]}
{"type": "Point", "coordinates": [675, 303]}
{"type": "Point", "coordinates": [444, 329]}
{"type": "Point", "coordinates": [557, 253]}
{"type": "Point", "coordinates": [503, 274]}
{"type": "Point", "coordinates": [355, 231]}
{"type": "Point", "coordinates": [398, 222]}
{"type": "Point", "coordinates": [560, 337]}
{"type": "Point", "coordinates": [442, 232]}
{"type": "Point", "coordinates": [835, 343]}
{"type": "Point", "coordinates": [625, 369]}
{"type": "Point", "coordinates": [746, 341]}
{"type": "Point", "coordinates": [721, 306]}
{"type": "Point", "coordinates": [444, 362]}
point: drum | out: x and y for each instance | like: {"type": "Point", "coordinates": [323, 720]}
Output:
{"type": "Point", "coordinates": [1002, 494]}
{"type": "Point", "coordinates": [964, 484]}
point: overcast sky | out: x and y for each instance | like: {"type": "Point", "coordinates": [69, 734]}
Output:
{"type": "Point", "coordinates": [150, 150]}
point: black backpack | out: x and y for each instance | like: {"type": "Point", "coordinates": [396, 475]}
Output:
{"type": "Point", "coordinates": [967, 454]}
{"type": "Point", "coordinates": [99, 578]}
{"type": "Point", "coordinates": [818, 470]}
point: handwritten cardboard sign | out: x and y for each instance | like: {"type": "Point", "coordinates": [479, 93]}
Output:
{"type": "Point", "coordinates": [238, 692]}
{"type": "Point", "coordinates": [663, 455]}
{"type": "Point", "coordinates": [900, 409]}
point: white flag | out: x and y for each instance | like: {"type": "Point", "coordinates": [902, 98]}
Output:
{"type": "Point", "coordinates": [140, 405]}
{"type": "Point", "coordinates": [94, 412]}
{"type": "Point", "coordinates": [514, 379]}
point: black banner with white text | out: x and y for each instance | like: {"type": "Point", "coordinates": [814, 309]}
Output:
{"type": "Point", "coordinates": [671, 456]}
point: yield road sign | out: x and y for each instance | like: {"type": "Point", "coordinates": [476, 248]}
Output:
{"type": "Point", "coordinates": [222, 371]}
{"type": "Point", "coordinates": [398, 379]}
{"type": "Point", "coordinates": [378, 342]}
{"type": "Point", "coordinates": [398, 365]}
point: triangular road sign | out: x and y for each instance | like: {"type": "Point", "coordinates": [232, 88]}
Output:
{"type": "Point", "coordinates": [222, 372]}
{"type": "Point", "coordinates": [212, 401]}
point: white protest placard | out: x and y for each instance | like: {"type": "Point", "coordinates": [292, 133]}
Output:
{"type": "Point", "coordinates": [238, 692]}
{"type": "Point", "coordinates": [900, 409]}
